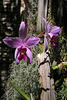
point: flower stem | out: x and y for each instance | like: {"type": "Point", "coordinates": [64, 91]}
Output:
{"type": "Point", "coordinates": [28, 79]}
{"type": "Point", "coordinates": [41, 34]}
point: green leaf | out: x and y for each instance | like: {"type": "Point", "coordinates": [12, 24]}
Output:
{"type": "Point", "coordinates": [54, 67]}
{"type": "Point", "coordinates": [21, 92]}
{"type": "Point", "coordinates": [66, 93]}
{"type": "Point", "coordinates": [64, 39]}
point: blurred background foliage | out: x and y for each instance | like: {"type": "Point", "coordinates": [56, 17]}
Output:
{"type": "Point", "coordinates": [18, 73]}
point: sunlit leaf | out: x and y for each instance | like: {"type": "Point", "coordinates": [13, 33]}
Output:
{"type": "Point", "coordinates": [54, 67]}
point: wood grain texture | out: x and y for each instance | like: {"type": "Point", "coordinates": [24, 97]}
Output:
{"type": "Point", "coordinates": [46, 82]}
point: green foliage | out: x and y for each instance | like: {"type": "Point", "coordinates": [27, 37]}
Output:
{"type": "Point", "coordinates": [61, 82]}
{"type": "Point", "coordinates": [54, 67]}
{"type": "Point", "coordinates": [21, 92]}
{"type": "Point", "coordinates": [41, 47]}
{"type": "Point", "coordinates": [62, 94]}
{"type": "Point", "coordinates": [61, 66]}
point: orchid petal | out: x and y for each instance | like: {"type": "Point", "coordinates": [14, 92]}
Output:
{"type": "Point", "coordinates": [26, 39]}
{"type": "Point", "coordinates": [31, 42]}
{"type": "Point", "coordinates": [22, 31]}
{"type": "Point", "coordinates": [29, 55]}
{"type": "Point", "coordinates": [45, 23]}
{"type": "Point", "coordinates": [17, 61]}
{"type": "Point", "coordinates": [48, 27]}
{"type": "Point", "coordinates": [45, 44]}
{"type": "Point", "coordinates": [51, 36]}
{"type": "Point", "coordinates": [55, 30]}
{"type": "Point", "coordinates": [17, 53]}
{"type": "Point", "coordinates": [12, 42]}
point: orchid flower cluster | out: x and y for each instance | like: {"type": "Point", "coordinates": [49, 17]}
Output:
{"type": "Point", "coordinates": [50, 34]}
{"type": "Point", "coordinates": [23, 43]}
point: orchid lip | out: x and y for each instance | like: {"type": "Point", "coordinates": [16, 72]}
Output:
{"type": "Point", "coordinates": [22, 56]}
{"type": "Point", "coordinates": [22, 49]}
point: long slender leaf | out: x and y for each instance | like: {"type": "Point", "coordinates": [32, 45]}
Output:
{"type": "Point", "coordinates": [21, 92]}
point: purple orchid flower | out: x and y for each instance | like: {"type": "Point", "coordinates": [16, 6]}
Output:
{"type": "Point", "coordinates": [50, 34]}
{"type": "Point", "coordinates": [22, 44]}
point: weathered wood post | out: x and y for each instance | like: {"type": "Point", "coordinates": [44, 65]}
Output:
{"type": "Point", "coordinates": [46, 82]}
{"type": "Point", "coordinates": [42, 12]}
{"type": "Point", "coordinates": [44, 71]}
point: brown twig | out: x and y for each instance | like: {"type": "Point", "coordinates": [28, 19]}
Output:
{"type": "Point", "coordinates": [62, 64]}
{"type": "Point", "coordinates": [41, 34]}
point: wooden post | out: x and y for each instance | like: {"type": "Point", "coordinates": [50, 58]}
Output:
{"type": "Point", "coordinates": [40, 23]}
{"type": "Point", "coordinates": [45, 81]}
{"type": "Point", "coordinates": [42, 12]}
